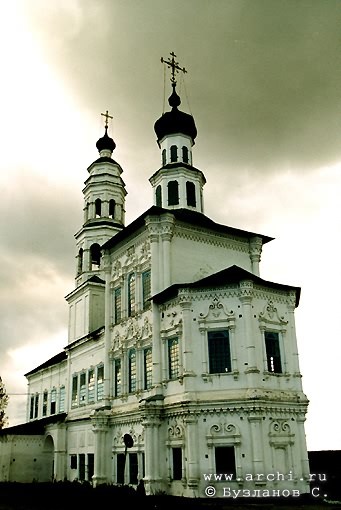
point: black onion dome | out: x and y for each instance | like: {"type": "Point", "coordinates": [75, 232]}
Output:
{"type": "Point", "coordinates": [105, 143]}
{"type": "Point", "coordinates": [175, 121]}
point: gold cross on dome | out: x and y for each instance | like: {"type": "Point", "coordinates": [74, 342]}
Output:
{"type": "Point", "coordinates": [174, 66]}
{"type": "Point", "coordinates": [107, 117]}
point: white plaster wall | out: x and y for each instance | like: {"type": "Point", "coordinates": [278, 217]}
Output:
{"type": "Point", "coordinates": [195, 257]}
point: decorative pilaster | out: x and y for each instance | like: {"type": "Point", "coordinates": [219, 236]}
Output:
{"type": "Point", "coordinates": [187, 354]}
{"type": "Point", "coordinates": [256, 245]}
{"type": "Point", "coordinates": [100, 427]}
{"type": "Point", "coordinates": [166, 237]}
{"type": "Point", "coordinates": [107, 333]}
{"type": "Point", "coordinates": [255, 421]}
{"type": "Point", "coordinates": [245, 296]}
{"type": "Point", "coordinates": [193, 476]}
{"type": "Point", "coordinates": [293, 349]}
{"type": "Point", "coordinates": [151, 422]}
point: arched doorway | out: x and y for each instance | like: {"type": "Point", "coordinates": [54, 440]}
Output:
{"type": "Point", "coordinates": [48, 459]}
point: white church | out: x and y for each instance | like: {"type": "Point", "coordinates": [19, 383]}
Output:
{"type": "Point", "coordinates": [181, 367]}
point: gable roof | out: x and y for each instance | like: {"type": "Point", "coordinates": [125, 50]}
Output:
{"type": "Point", "coordinates": [232, 274]}
{"type": "Point", "coordinates": [58, 358]}
{"type": "Point", "coordinates": [193, 218]}
{"type": "Point", "coordinates": [34, 427]}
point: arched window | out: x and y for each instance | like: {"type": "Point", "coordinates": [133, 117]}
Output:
{"type": "Point", "coordinates": [158, 195]}
{"type": "Point", "coordinates": [164, 157]}
{"type": "Point", "coordinates": [190, 193]}
{"type": "Point", "coordinates": [80, 261]}
{"type": "Point", "coordinates": [112, 208]}
{"type": "Point", "coordinates": [184, 154]}
{"type": "Point", "coordinates": [174, 153]}
{"type": "Point", "coordinates": [173, 193]}
{"type": "Point", "coordinates": [98, 207]}
{"type": "Point", "coordinates": [95, 256]}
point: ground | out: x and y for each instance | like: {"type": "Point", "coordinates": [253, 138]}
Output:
{"type": "Point", "coordinates": [65, 496]}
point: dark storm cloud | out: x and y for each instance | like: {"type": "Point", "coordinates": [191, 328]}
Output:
{"type": "Point", "coordinates": [263, 77]}
{"type": "Point", "coordinates": [36, 258]}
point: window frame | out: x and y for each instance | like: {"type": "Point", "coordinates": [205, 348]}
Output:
{"type": "Point", "coordinates": [213, 357]}
{"type": "Point", "coordinates": [131, 294]}
{"type": "Point", "coordinates": [147, 368]}
{"type": "Point", "coordinates": [273, 352]}
{"type": "Point", "coordinates": [173, 363]}
{"type": "Point", "coordinates": [132, 371]}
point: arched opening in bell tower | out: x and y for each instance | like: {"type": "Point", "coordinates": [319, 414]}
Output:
{"type": "Point", "coordinates": [112, 205]}
{"type": "Point", "coordinates": [95, 257]}
{"type": "Point", "coordinates": [98, 207]}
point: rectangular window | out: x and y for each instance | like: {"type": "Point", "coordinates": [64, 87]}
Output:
{"type": "Point", "coordinates": [146, 288]}
{"type": "Point", "coordinates": [148, 368]}
{"type": "Point", "coordinates": [132, 370]}
{"type": "Point", "coordinates": [177, 463]}
{"type": "Point", "coordinates": [82, 388]}
{"type": "Point", "coordinates": [32, 407]}
{"type": "Point", "coordinates": [62, 399]}
{"type": "Point", "coordinates": [91, 386]}
{"type": "Point", "coordinates": [120, 468]}
{"type": "Point", "coordinates": [73, 461]}
{"type": "Point", "coordinates": [53, 401]}
{"type": "Point", "coordinates": [74, 394]}
{"type": "Point", "coordinates": [81, 467]}
{"type": "Point", "coordinates": [45, 403]}
{"type": "Point", "coordinates": [131, 294]}
{"type": "Point", "coordinates": [225, 460]}
{"type": "Point", "coordinates": [117, 305]}
{"type": "Point", "coordinates": [133, 468]}
{"type": "Point", "coordinates": [219, 352]}
{"type": "Point", "coordinates": [100, 382]}
{"type": "Point", "coordinates": [273, 353]}
{"type": "Point", "coordinates": [173, 358]}
{"type": "Point", "coordinates": [36, 406]}
{"type": "Point", "coordinates": [91, 464]}
{"type": "Point", "coordinates": [118, 377]}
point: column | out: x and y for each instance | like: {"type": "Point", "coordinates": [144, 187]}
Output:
{"type": "Point", "coordinates": [245, 296]}
{"type": "Point", "coordinates": [107, 331]}
{"type": "Point", "coordinates": [166, 237]}
{"type": "Point", "coordinates": [105, 209]}
{"type": "Point", "coordinates": [151, 422]}
{"type": "Point", "coordinates": [193, 476]}
{"type": "Point", "coordinates": [256, 245]}
{"type": "Point", "coordinates": [102, 450]}
{"type": "Point", "coordinates": [187, 357]}
{"type": "Point", "coordinates": [257, 444]}
{"type": "Point", "coordinates": [302, 445]}
{"type": "Point", "coordinates": [294, 366]}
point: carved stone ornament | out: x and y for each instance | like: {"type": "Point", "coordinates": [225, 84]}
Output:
{"type": "Point", "coordinates": [270, 315]}
{"type": "Point", "coordinates": [145, 250]}
{"type": "Point", "coordinates": [175, 432]}
{"type": "Point", "coordinates": [131, 256]}
{"type": "Point", "coordinates": [217, 310]}
{"type": "Point", "coordinates": [116, 269]}
{"type": "Point", "coordinates": [106, 261]}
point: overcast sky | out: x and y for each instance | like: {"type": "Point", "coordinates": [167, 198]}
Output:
{"type": "Point", "coordinates": [263, 86]}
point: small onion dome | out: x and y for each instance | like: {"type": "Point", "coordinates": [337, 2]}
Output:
{"type": "Point", "coordinates": [175, 121]}
{"type": "Point", "coordinates": [105, 143]}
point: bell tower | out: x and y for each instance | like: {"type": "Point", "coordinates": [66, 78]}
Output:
{"type": "Point", "coordinates": [177, 184]}
{"type": "Point", "coordinates": [104, 202]}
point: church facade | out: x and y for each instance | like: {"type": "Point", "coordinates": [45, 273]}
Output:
{"type": "Point", "coordinates": [181, 367]}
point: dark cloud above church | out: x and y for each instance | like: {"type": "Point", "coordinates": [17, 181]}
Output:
{"type": "Point", "coordinates": [262, 82]}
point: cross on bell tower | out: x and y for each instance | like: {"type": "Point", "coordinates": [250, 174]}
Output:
{"type": "Point", "coordinates": [175, 68]}
{"type": "Point", "coordinates": [107, 117]}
